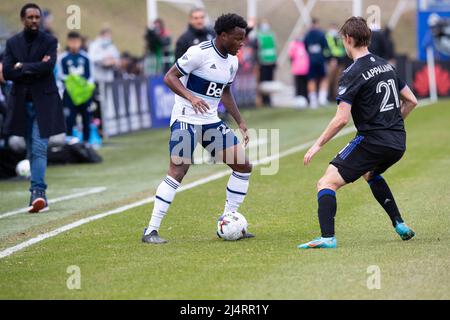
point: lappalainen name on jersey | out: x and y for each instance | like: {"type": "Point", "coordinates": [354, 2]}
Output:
{"type": "Point", "coordinates": [376, 71]}
{"type": "Point", "coordinates": [205, 87]}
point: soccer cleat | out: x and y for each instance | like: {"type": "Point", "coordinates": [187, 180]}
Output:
{"type": "Point", "coordinates": [319, 243]}
{"type": "Point", "coordinates": [153, 237]}
{"type": "Point", "coordinates": [38, 202]}
{"type": "Point", "coordinates": [247, 235]}
{"type": "Point", "coordinates": [404, 231]}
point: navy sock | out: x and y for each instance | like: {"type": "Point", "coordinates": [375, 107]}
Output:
{"type": "Point", "coordinates": [327, 211]}
{"type": "Point", "coordinates": [384, 196]}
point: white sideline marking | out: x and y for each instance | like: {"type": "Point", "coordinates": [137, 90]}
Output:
{"type": "Point", "coordinates": [63, 198]}
{"type": "Point", "coordinates": [9, 251]}
{"type": "Point", "coordinates": [223, 173]}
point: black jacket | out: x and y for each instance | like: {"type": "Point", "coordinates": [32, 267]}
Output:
{"type": "Point", "coordinates": [192, 37]}
{"type": "Point", "coordinates": [37, 78]}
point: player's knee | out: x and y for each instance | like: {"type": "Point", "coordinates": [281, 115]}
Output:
{"type": "Point", "coordinates": [243, 168]}
{"type": "Point", "coordinates": [178, 172]}
{"type": "Point", "coordinates": [248, 167]}
{"type": "Point", "coordinates": [324, 183]}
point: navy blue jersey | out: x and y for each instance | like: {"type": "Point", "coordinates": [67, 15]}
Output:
{"type": "Point", "coordinates": [75, 63]}
{"type": "Point", "coordinates": [372, 87]}
{"type": "Point", "coordinates": [316, 44]}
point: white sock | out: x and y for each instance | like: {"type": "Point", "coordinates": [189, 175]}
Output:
{"type": "Point", "coordinates": [323, 97]}
{"type": "Point", "coordinates": [163, 198]}
{"type": "Point", "coordinates": [237, 188]}
{"type": "Point", "coordinates": [313, 100]}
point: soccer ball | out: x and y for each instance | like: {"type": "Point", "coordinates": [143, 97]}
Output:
{"type": "Point", "coordinates": [23, 169]}
{"type": "Point", "coordinates": [231, 226]}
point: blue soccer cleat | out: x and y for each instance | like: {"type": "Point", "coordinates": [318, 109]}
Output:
{"type": "Point", "coordinates": [404, 231]}
{"type": "Point", "coordinates": [319, 243]}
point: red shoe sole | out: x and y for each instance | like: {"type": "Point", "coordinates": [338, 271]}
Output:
{"type": "Point", "coordinates": [37, 205]}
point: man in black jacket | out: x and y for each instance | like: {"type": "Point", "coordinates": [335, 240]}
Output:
{"type": "Point", "coordinates": [34, 106]}
{"type": "Point", "coordinates": [196, 32]}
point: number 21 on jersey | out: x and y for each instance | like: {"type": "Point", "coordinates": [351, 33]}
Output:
{"type": "Point", "coordinates": [387, 88]}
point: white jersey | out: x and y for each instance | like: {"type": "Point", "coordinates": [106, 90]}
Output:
{"type": "Point", "coordinates": [206, 72]}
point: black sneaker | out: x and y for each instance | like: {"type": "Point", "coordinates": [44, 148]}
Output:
{"type": "Point", "coordinates": [38, 201]}
{"type": "Point", "coordinates": [153, 237]}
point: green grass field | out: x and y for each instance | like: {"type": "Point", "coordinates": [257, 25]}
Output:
{"type": "Point", "coordinates": [281, 210]}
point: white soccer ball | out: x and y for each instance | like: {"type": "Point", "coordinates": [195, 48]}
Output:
{"type": "Point", "coordinates": [231, 226]}
{"type": "Point", "coordinates": [23, 169]}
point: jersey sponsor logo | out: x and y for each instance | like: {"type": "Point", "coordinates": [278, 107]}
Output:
{"type": "Point", "coordinates": [205, 87]}
{"type": "Point", "coordinates": [214, 91]}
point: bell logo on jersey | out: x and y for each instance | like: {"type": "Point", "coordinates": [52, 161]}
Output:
{"type": "Point", "coordinates": [213, 91]}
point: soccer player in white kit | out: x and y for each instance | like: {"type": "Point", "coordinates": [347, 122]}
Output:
{"type": "Point", "coordinates": [200, 79]}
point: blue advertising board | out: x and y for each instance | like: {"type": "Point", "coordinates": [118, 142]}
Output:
{"type": "Point", "coordinates": [161, 101]}
{"type": "Point", "coordinates": [433, 28]}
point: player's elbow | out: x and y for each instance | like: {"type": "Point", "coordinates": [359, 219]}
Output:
{"type": "Point", "coordinates": [167, 79]}
{"type": "Point", "coordinates": [342, 120]}
{"type": "Point", "coordinates": [414, 101]}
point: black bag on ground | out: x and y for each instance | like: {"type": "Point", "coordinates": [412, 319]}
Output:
{"type": "Point", "coordinates": [8, 162]}
{"type": "Point", "coordinates": [73, 153]}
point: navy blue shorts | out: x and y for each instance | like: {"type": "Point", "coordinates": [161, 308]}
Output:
{"type": "Point", "coordinates": [360, 157]}
{"type": "Point", "coordinates": [316, 71]}
{"type": "Point", "coordinates": [213, 137]}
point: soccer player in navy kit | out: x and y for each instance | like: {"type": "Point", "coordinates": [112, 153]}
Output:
{"type": "Point", "coordinates": [378, 101]}
{"type": "Point", "coordinates": [200, 79]}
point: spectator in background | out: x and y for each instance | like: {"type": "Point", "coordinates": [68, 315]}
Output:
{"type": "Point", "coordinates": [47, 22]}
{"type": "Point", "coordinates": [104, 56]}
{"type": "Point", "coordinates": [299, 69]}
{"type": "Point", "coordinates": [2, 95]}
{"type": "Point", "coordinates": [34, 106]}
{"type": "Point", "coordinates": [75, 63]}
{"type": "Point", "coordinates": [390, 46]}
{"type": "Point", "coordinates": [158, 57]}
{"type": "Point", "coordinates": [267, 56]}
{"type": "Point", "coordinates": [337, 59]}
{"type": "Point", "coordinates": [317, 47]}
{"type": "Point", "coordinates": [129, 66]}
{"type": "Point", "coordinates": [378, 45]}
{"type": "Point", "coordinates": [196, 32]}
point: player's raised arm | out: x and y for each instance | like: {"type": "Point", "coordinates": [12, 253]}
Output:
{"type": "Point", "coordinates": [172, 80]}
{"type": "Point", "coordinates": [408, 101]}
{"type": "Point", "coordinates": [230, 104]}
{"type": "Point", "coordinates": [339, 121]}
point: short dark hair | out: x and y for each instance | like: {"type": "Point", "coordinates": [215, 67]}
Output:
{"type": "Point", "coordinates": [73, 35]}
{"type": "Point", "coordinates": [227, 22]}
{"type": "Point", "coordinates": [356, 27]}
{"type": "Point", "coordinates": [24, 9]}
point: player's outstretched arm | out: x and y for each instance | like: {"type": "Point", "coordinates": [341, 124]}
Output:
{"type": "Point", "coordinates": [408, 101]}
{"type": "Point", "coordinates": [339, 121]}
{"type": "Point", "coordinates": [172, 80]}
{"type": "Point", "coordinates": [230, 104]}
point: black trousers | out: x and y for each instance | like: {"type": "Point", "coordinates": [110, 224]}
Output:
{"type": "Point", "coordinates": [266, 73]}
{"type": "Point", "coordinates": [301, 83]}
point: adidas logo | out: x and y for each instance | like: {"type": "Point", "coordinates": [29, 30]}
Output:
{"type": "Point", "coordinates": [185, 57]}
{"type": "Point", "coordinates": [213, 66]}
